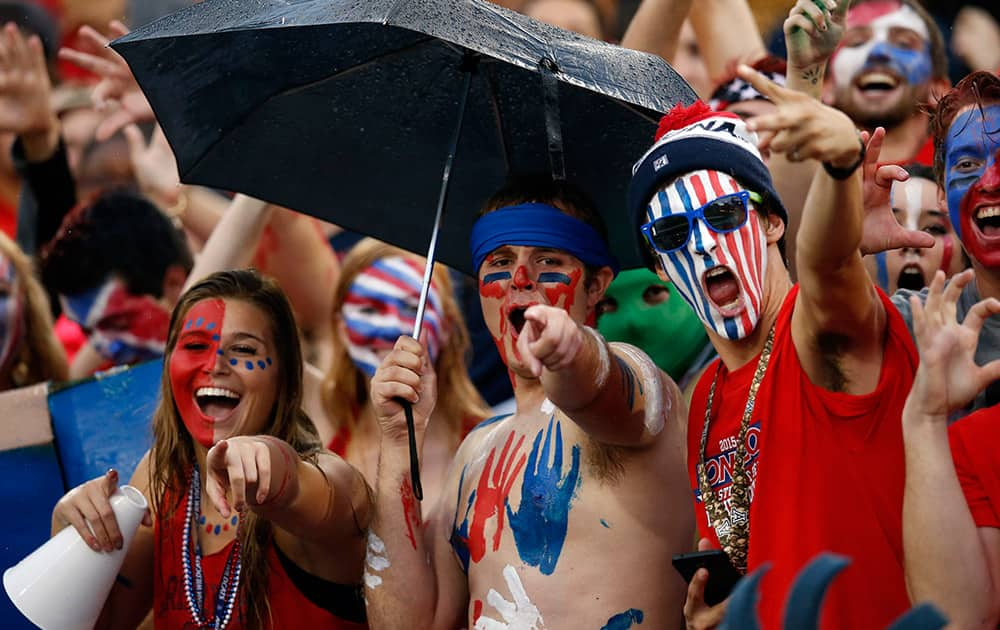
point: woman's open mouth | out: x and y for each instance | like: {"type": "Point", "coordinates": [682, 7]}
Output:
{"type": "Point", "coordinates": [911, 276]}
{"type": "Point", "coordinates": [216, 402]}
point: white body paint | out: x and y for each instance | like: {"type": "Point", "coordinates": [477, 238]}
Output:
{"type": "Point", "coordinates": [604, 361]}
{"type": "Point", "coordinates": [656, 406]}
{"type": "Point", "coordinates": [849, 61]}
{"type": "Point", "coordinates": [376, 561]}
{"type": "Point", "coordinates": [520, 614]}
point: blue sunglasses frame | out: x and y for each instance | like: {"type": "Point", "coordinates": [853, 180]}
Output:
{"type": "Point", "coordinates": [699, 213]}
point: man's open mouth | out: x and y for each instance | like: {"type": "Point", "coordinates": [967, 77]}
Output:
{"type": "Point", "coordinates": [877, 81]}
{"type": "Point", "coordinates": [216, 402]}
{"type": "Point", "coordinates": [911, 276]}
{"type": "Point", "coordinates": [723, 289]}
{"type": "Point", "coordinates": [987, 219]}
{"type": "Point", "coordinates": [516, 318]}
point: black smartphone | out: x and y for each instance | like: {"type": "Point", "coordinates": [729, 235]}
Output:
{"type": "Point", "coordinates": [722, 575]}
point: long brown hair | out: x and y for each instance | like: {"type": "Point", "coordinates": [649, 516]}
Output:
{"type": "Point", "coordinates": [40, 357]}
{"type": "Point", "coordinates": [343, 388]}
{"type": "Point", "coordinates": [173, 455]}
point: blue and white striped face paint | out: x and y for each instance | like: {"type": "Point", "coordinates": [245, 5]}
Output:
{"type": "Point", "coordinates": [720, 275]}
{"type": "Point", "coordinates": [381, 305]}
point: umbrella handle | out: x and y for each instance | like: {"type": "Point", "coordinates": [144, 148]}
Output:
{"type": "Point", "coordinates": [418, 490]}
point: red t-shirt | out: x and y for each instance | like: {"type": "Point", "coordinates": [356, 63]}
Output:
{"type": "Point", "coordinates": [827, 470]}
{"type": "Point", "coordinates": [973, 447]}
{"type": "Point", "coordinates": [289, 607]}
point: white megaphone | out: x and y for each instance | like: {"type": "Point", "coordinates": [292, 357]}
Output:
{"type": "Point", "coordinates": [64, 583]}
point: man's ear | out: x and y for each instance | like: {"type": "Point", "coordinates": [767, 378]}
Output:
{"type": "Point", "coordinates": [173, 285]}
{"type": "Point", "coordinates": [599, 283]}
{"type": "Point", "coordinates": [774, 228]}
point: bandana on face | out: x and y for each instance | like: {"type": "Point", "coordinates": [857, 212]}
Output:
{"type": "Point", "coordinates": [381, 305]}
{"type": "Point", "coordinates": [122, 327]}
{"type": "Point", "coordinates": [743, 252]}
{"type": "Point", "coordinates": [879, 53]}
{"type": "Point", "coordinates": [668, 331]}
{"type": "Point", "coordinates": [972, 181]}
{"type": "Point", "coordinates": [11, 312]}
{"type": "Point", "coordinates": [196, 356]}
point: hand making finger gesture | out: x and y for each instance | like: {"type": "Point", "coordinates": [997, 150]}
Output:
{"type": "Point", "coordinates": [813, 31]}
{"type": "Point", "coordinates": [550, 339]}
{"type": "Point", "coordinates": [881, 230]}
{"type": "Point", "coordinates": [250, 471]}
{"type": "Point", "coordinates": [25, 88]}
{"type": "Point", "coordinates": [948, 377]}
{"type": "Point", "coordinates": [117, 89]}
{"type": "Point", "coordinates": [802, 127]}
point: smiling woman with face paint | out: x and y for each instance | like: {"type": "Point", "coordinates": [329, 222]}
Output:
{"type": "Point", "coordinates": [29, 351]}
{"type": "Point", "coordinates": [254, 525]}
{"type": "Point", "coordinates": [375, 301]}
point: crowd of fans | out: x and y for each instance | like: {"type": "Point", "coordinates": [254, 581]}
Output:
{"type": "Point", "coordinates": [808, 364]}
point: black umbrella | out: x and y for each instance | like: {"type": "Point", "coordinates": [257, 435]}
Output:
{"type": "Point", "coordinates": [351, 110]}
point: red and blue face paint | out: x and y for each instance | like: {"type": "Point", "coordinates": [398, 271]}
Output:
{"type": "Point", "coordinates": [720, 275]}
{"type": "Point", "coordinates": [381, 305]}
{"type": "Point", "coordinates": [881, 53]}
{"type": "Point", "coordinates": [192, 362]}
{"type": "Point", "coordinates": [972, 181]}
{"type": "Point", "coordinates": [121, 326]}
{"type": "Point", "coordinates": [11, 312]}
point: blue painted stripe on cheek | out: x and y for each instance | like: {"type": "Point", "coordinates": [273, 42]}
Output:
{"type": "Point", "coordinates": [498, 276]}
{"type": "Point", "coordinates": [553, 276]}
{"type": "Point", "coordinates": [731, 330]}
{"type": "Point", "coordinates": [694, 284]}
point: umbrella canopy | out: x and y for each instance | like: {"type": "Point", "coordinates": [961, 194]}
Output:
{"type": "Point", "coordinates": [343, 109]}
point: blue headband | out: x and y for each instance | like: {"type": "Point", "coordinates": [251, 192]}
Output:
{"type": "Point", "coordinates": [539, 225]}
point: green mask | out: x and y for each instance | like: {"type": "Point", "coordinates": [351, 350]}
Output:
{"type": "Point", "coordinates": [641, 309]}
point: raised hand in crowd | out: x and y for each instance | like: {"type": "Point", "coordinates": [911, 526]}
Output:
{"type": "Point", "coordinates": [952, 558]}
{"type": "Point", "coordinates": [26, 93]}
{"type": "Point", "coordinates": [801, 127]}
{"type": "Point", "coordinates": [975, 37]}
{"type": "Point", "coordinates": [117, 89]}
{"type": "Point", "coordinates": [813, 31]}
{"type": "Point", "coordinates": [154, 165]}
{"type": "Point", "coordinates": [882, 230]}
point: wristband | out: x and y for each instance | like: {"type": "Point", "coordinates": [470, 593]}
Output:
{"type": "Point", "coordinates": [843, 173]}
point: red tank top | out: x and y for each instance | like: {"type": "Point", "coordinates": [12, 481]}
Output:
{"type": "Point", "coordinates": [826, 470]}
{"type": "Point", "coordinates": [973, 447]}
{"type": "Point", "coordinates": [289, 607]}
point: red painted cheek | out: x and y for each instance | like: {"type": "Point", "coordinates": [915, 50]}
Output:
{"type": "Point", "coordinates": [491, 290]}
{"type": "Point", "coordinates": [991, 176]}
{"type": "Point", "coordinates": [189, 366]}
{"type": "Point", "coordinates": [947, 250]}
{"type": "Point", "coordinates": [558, 290]}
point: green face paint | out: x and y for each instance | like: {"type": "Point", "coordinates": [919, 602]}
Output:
{"type": "Point", "coordinates": [641, 309]}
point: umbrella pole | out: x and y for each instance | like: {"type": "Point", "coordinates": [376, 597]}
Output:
{"type": "Point", "coordinates": [468, 68]}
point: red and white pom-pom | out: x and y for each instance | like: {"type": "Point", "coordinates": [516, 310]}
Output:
{"type": "Point", "coordinates": [683, 115]}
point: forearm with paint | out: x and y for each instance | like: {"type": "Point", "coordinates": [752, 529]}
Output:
{"type": "Point", "coordinates": [621, 397]}
{"type": "Point", "coordinates": [400, 583]}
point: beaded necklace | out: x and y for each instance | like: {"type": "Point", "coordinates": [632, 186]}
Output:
{"type": "Point", "coordinates": [735, 538]}
{"type": "Point", "coordinates": [194, 587]}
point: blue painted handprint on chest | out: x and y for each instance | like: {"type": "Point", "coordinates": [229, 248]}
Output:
{"type": "Point", "coordinates": [539, 524]}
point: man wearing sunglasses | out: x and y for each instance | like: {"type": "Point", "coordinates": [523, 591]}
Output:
{"type": "Point", "coordinates": [794, 441]}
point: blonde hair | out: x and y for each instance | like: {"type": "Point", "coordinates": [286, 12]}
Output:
{"type": "Point", "coordinates": [173, 455]}
{"type": "Point", "coordinates": [343, 389]}
{"type": "Point", "coordinates": [40, 353]}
